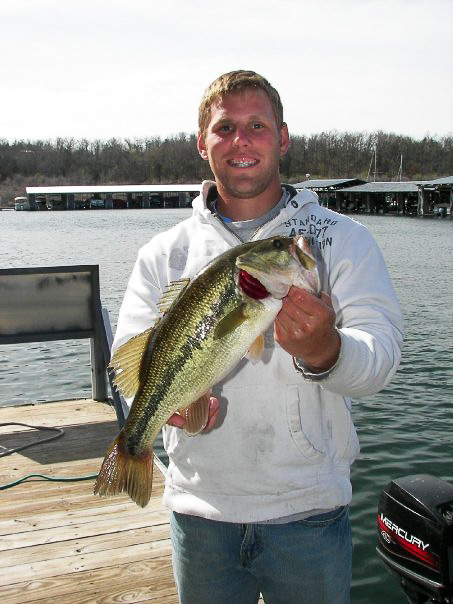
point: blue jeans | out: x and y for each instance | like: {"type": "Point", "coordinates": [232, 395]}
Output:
{"type": "Point", "coordinates": [303, 562]}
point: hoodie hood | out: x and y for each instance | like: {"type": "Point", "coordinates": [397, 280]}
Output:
{"type": "Point", "coordinates": [295, 201]}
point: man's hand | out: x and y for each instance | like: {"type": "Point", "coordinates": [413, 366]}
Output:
{"type": "Point", "coordinates": [178, 421]}
{"type": "Point", "coordinates": [305, 327]}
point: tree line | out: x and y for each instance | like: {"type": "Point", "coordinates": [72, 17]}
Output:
{"type": "Point", "coordinates": [175, 159]}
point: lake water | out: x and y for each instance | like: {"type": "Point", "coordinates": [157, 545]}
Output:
{"type": "Point", "coordinates": [405, 429]}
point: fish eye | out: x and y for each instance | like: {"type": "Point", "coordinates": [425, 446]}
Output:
{"type": "Point", "coordinates": [278, 243]}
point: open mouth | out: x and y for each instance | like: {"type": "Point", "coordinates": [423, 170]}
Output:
{"type": "Point", "coordinates": [242, 163]}
{"type": "Point", "coordinates": [251, 286]}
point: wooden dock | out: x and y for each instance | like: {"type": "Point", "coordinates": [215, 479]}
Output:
{"type": "Point", "coordinates": [58, 542]}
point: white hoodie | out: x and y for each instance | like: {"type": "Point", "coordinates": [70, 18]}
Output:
{"type": "Point", "coordinates": [284, 441]}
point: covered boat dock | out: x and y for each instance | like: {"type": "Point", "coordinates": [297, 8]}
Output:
{"type": "Point", "coordinates": [347, 195]}
{"type": "Point", "coordinates": [441, 190]}
{"type": "Point", "coordinates": [380, 197]}
{"type": "Point", "coordinates": [422, 198]}
{"type": "Point", "coordinates": [91, 197]}
{"type": "Point", "coordinates": [326, 188]}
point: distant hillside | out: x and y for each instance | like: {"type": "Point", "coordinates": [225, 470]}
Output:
{"type": "Point", "coordinates": [175, 160]}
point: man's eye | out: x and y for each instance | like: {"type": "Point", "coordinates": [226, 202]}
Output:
{"type": "Point", "coordinates": [225, 128]}
{"type": "Point", "coordinates": [257, 126]}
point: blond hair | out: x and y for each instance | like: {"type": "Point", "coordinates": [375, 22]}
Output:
{"type": "Point", "coordinates": [237, 81]}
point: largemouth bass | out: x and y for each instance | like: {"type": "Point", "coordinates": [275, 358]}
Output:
{"type": "Point", "coordinates": [208, 325]}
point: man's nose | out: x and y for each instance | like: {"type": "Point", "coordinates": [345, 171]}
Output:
{"type": "Point", "coordinates": [241, 137]}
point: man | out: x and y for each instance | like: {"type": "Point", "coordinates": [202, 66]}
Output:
{"type": "Point", "coordinates": [259, 500]}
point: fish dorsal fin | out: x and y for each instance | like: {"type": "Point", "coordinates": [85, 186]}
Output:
{"type": "Point", "coordinates": [174, 289]}
{"type": "Point", "coordinates": [231, 322]}
{"type": "Point", "coordinates": [127, 362]}
{"type": "Point", "coordinates": [255, 352]}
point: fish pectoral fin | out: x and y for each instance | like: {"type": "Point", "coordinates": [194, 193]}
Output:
{"type": "Point", "coordinates": [196, 415]}
{"type": "Point", "coordinates": [127, 362]}
{"type": "Point", "coordinates": [255, 352]}
{"type": "Point", "coordinates": [231, 322]}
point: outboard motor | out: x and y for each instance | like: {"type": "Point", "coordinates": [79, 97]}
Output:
{"type": "Point", "coordinates": [415, 536]}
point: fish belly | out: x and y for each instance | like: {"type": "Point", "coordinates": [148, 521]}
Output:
{"type": "Point", "coordinates": [192, 371]}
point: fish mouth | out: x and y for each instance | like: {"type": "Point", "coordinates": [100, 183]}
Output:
{"type": "Point", "coordinates": [276, 277]}
{"type": "Point", "coordinates": [251, 286]}
{"type": "Point", "coordinates": [258, 282]}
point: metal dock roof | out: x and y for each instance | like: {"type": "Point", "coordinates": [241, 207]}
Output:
{"type": "Point", "coordinates": [386, 187]}
{"type": "Point", "coordinates": [80, 189]}
{"type": "Point", "coordinates": [323, 183]}
{"type": "Point", "coordinates": [446, 180]}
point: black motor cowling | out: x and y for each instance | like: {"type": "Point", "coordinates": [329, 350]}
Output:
{"type": "Point", "coordinates": [415, 536]}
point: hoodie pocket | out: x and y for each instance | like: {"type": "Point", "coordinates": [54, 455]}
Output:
{"type": "Point", "coordinates": [345, 443]}
{"type": "Point", "coordinates": [305, 423]}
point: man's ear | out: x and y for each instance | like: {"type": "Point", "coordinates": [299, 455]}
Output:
{"type": "Point", "coordinates": [284, 139]}
{"type": "Point", "coordinates": [201, 146]}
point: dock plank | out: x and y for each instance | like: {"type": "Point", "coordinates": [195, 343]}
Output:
{"type": "Point", "coordinates": [72, 546]}
{"type": "Point", "coordinates": [130, 584]}
{"type": "Point", "coordinates": [53, 567]}
{"type": "Point", "coordinates": [39, 536]}
{"type": "Point", "coordinates": [58, 540]}
{"type": "Point", "coordinates": [69, 507]}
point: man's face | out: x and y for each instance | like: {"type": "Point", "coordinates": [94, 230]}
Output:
{"type": "Point", "coordinates": [244, 144]}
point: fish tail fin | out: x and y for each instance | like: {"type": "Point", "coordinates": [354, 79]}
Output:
{"type": "Point", "coordinates": [121, 471]}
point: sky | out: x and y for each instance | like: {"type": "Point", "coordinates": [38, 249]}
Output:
{"type": "Point", "coordinates": [132, 69]}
